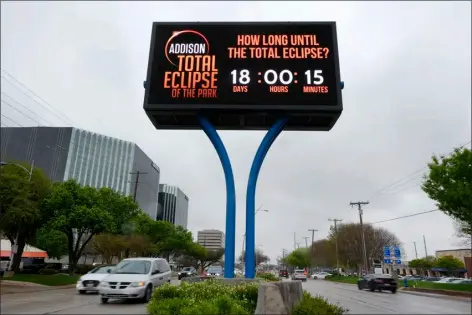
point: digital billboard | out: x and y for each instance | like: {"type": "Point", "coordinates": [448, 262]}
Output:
{"type": "Point", "coordinates": [237, 67]}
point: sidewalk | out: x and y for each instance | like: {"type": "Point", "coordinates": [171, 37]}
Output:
{"type": "Point", "coordinates": [16, 287]}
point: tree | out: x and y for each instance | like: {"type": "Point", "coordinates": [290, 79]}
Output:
{"type": "Point", "coordinates": [422, 264]}
{"type": "Point", "coordinates": [464, 233]}
{"type": "Point", "coordinates": [350, 243]}
{"type": "Point", "coordinates": [323, 253]}
{"type": "Point", "coordinates": [450, 263]}
{"type": "Point", "coordinates": [260, 257]}
{"type": "Point", "coordinates": [54, 242]}
{"type": "Point", "coordinates": [449, 183]}
{"type": "Point", "coordinates": [82, 212]}
{"type": "Point", "coordinates": [199, 257]}
{"type": "Point", "coordinates": [298, 258]}
{"type": "Point", "coordinates": [21, 199]}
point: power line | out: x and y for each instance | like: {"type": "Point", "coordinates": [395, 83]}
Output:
{"type": "Point", "coordinates": [36, 95]}
{"type": "Point", "coordinates": [11, 120]}
{"type": "Point", "coordinates": [19, 111]}
{"type": "Point", "coordinates": [406, 216]}
{"type": "Point", "coordinates": [15, 101]}
{"type": "Point", "coordinates": [401, 182]}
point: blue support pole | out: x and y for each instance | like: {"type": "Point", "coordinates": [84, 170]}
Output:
{"type": "Point", "coordinates": [215, 139]}
{"type": "Point", "coordinates": [261, 153]}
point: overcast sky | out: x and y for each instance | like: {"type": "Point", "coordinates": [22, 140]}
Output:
{"type": "Point", "coordinates": [408, 94]}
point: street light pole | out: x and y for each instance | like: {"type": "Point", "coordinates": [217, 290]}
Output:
{"type": "Point", "coordinates": [14, 247]}
{"type": "Point", "coordinates": [243, 251]}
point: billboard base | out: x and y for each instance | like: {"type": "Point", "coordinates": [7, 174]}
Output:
{"type": "Point", "coordinates": [230, 232]}
{"type": "Point", "coordinates": [272, 134]}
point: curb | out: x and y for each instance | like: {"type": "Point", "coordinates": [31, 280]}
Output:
{"type": "Point", "coordinates": [31, 289]}
{"type": "Point", "coordinates": [435, 295]}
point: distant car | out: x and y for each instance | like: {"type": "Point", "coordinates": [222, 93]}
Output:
{"type": "Point", "coordinates": [187, 272]}
{"type": "Point", "coordinates": [414, 278]}
{"type": "Point", "coordinates": [320, 275]}
{"type": "Point", "coordinates": [462, 281]}
{"type": "Point", "coordinates": [431, 279]}
{"type": "Point", "coordinates": [377, 282]}
{"type": "Point", "coordinates": [299, 274]}
{"type": "Point", "coordinates": [90, 281]}
{"type": "Point", "coordinates": [448, 280]}
{"type": "Point", "coordinates": [135, 278]}
{"type": "Point", "coordinates": [283, 273]}
{"type": "Point", "coordinates": [214, 271]}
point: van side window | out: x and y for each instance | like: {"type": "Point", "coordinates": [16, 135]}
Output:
{"type": "Point", "coordinates": [155, 266]}
{"type": "Point", "coordinates": [164, 265]}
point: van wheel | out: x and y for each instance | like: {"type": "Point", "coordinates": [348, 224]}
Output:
{"type": "Point", "coordinates": [394, 291]}
{"type": "Point", "coordinates": [104, 300]}
{"type": "Point", "coordinates": [81, 291]}
{"type": "Point", "coordinates": [148, 293]}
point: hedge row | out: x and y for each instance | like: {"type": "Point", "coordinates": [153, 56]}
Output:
{"type": "Point", "coordinates": [211, 297]}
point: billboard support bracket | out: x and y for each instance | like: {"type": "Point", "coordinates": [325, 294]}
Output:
{"type": "Point", "coordinates": [270, 137]}
{"type": "Point", "coordinates": [230, 233]}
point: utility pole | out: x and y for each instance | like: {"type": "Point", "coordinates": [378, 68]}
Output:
{"type": "Point", "coordinates": [312, 245]}
{"type": "Point", "coordinates": [306, 241]}
{"type": "Point", "coordinates": [359, 205]}
{"type": "Point", "coordinates": [416, 252]}
{"type": "Point", "coordinates": [336, 235]}
{"type": "Point", "coordinates": [136, 183]}
{"type": "Point", "coordinates": [283, 256]}
{"type": "Point", "coordinates": [298, 245]}
{"type": "Point", "coordinates": [294, 240]}
{"type": "Point", "coordinates": [425, 248]}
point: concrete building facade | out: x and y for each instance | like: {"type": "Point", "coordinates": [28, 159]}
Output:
{"type": "Point", "coordinates": [90, 158]}
{"type": "Point", "coordinates": [211, 239]}
{"type": "Point", "coordinates": [172, 205]}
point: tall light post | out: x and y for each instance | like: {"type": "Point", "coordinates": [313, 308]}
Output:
{"type": "Point", "coordinates": [14, 247]}
{"type": "Point", "coordinates": [243, 253]}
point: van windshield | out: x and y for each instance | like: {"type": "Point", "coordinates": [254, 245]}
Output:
{"type": "Point", "coordinates": [138, 267]}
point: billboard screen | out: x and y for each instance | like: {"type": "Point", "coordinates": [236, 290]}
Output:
{"type": "Point", "coordinates": [244, 65]}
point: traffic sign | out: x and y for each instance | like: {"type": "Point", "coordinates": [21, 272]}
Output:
{"type": "Point", "coordinates": [398, 262]}
{"type": "Point", "coordinates": [387, 252]}
{"type": "Point", "coordinates": [396, 252]}
{"type": "Point", "coordinates": [387, 261]}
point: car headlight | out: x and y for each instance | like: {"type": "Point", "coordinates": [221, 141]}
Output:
{"type": "Point", "coordinates": [179, 273]}
{"type": "Point", "coordinates": [217, 274]}
{"type": "Point", "coordinates": [137, 284]}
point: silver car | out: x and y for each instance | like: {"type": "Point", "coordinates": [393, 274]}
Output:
{"type": "Point", "coordinates": [299, 274]}
{"type": "Point", "coordinates": [90, 281]}
{"type": "Point", "coordinates": [135, 278]}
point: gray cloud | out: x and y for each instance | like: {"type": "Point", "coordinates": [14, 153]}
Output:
{"type": "Point", "coordinates": [407, 73]}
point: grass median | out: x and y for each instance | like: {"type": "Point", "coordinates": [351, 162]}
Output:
{"type": "Point", "coordinates": [412, 284]}
{"type": "Point", "coordinates": [49, 280]}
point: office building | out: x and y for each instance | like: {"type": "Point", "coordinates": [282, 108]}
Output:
{"type": "Point", "coordinates": [90, 158]}
{"type": "Point", "coordinates": [173, 205]}
{"type": "Point", "coordinates": [211, 239]}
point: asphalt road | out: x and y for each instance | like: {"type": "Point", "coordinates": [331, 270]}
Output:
{"type": "Point", "coordinates": [348, 296]}
{"type": "Point", "coordinates": [366, 302]}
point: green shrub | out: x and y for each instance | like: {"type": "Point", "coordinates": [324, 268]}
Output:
{"type": "Point", "coordinates": [47, 271]}
{"type": "Point", "coordinates": [310, 305]}
{"type": "Point", "coordinates": [268, 276]}
{"type": "Point", "coordinates": [207, 297]}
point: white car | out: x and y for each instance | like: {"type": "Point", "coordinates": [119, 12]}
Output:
{"type": "Point", "coordinates": [320, 275]}
{"type": "Point", "coordinates": [299, 274]}
{"type": "Point", "coordinates": [447, 280]}
{"type": "Point", "coordinates": [90, 281]}
{"type": "Point", "coordinates": [135, 278]}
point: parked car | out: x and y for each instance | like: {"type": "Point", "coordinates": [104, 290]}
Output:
{"type": "Point", "coordinates": [299, 274]}
{"type": "Point", "coordinates": [414, 278]}
{"type": "Point", "coordinates": [187, 272]}
{"type": "Point", "coordinates": [283, 273]}
{"type": "Point", "coordinates": [90, 281]}
{"type": "Point", "coordinates": [214, 271]}
{"type": "Point", "coordinates": [431, 279]}
{"type": "Point", "coordinates": [135, 278]}
{"type": "Point", "coordinates": [448, 280]}
{"type": "Point", "coordinates": [320, 275]}
{"type": "Point", "coordinates": [377, 282]}
{"type": "Point", "coordinates": [462, 281]}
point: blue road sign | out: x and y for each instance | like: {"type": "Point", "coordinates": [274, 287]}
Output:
{"type": "Point", "coordinates": [396, 252]}
{"type": "Point", "coordinates": [387, 261]}
{"type": "Point", "coordinates": [398, 262]}
{"type": "Point", "coordinates": [387, 252]}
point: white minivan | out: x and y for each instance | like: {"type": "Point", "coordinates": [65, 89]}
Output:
{"type": "Point", "coordinates": [135, 278]}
